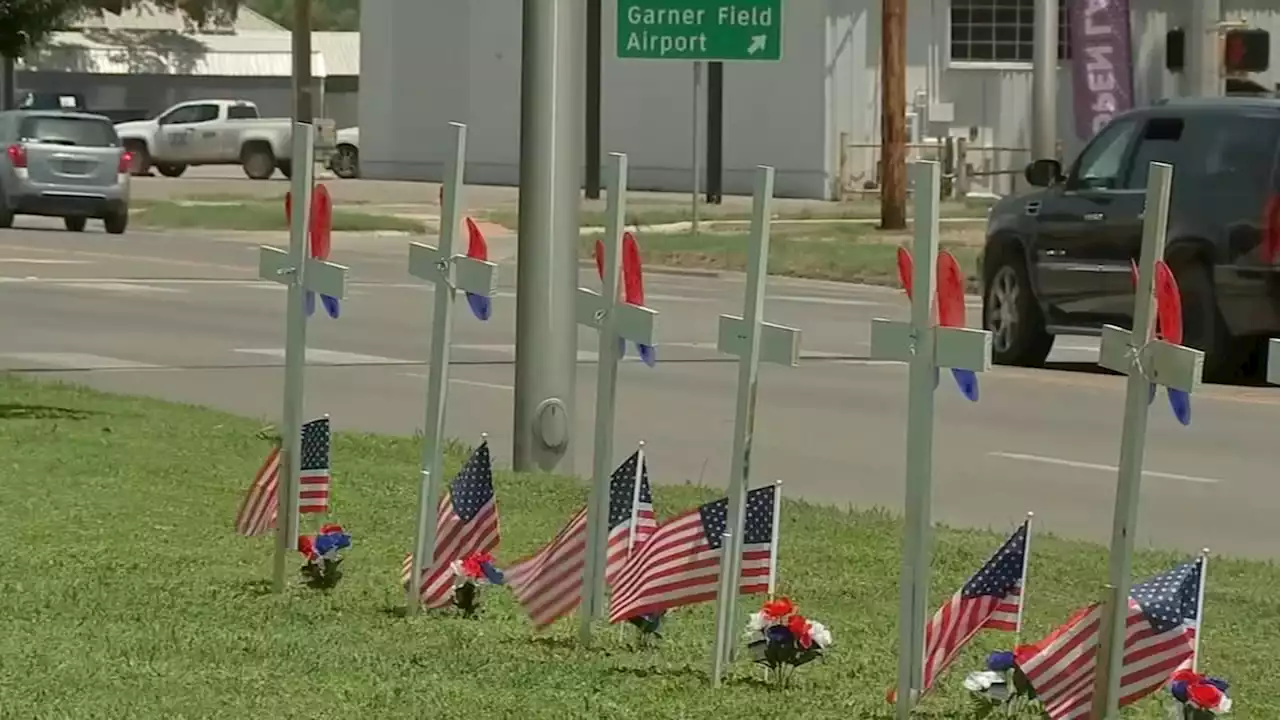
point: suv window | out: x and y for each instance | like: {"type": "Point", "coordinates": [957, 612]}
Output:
{"type": "Point", "coordinates": [1102, 163]}
{"type": "Point", "coordinates": [191, 114]}
{"type": "Point", "coordinates": [84, 132]}
{"type": "Point", "coordinates": [1240, 150]}
{"type": "Point", "coordinates": [242, 112]}
{"type": "Point", "coordinates": [1159, 143]}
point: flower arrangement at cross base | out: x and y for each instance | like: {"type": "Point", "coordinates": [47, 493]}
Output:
{"type": "Point", "coordinates": [782, 640]}
{"type": "Point", "coordinates": [1198, 697]}
{"type": "Point", "coordinates": [323, 570]}
{"type": "Point", "coordinates": [649, 626]}
{"type": "Point", "coordinates": [468, 575]}
{"type": "Point", "coordinates": [1001, 686]}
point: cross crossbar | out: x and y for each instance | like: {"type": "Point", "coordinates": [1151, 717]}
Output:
{"type": "Point", "coordinates": [468, 274]}
{"type": "Point", "coordinates": [631, 322]}
{"type": "Point", "coordinates": [320, 276]}
{"type": "Point", "coordinates": [1157, 361]}
{"type": "Point", "coordinates": [962, 348]}
{"type": "Point", "coordinates": [779, 344]}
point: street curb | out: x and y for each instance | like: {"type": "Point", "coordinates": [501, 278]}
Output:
{"type": "Point", "coordinates": [665, 270]}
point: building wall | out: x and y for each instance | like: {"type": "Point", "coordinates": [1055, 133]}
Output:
{"type": "Point", "coordinates": [428, 63]}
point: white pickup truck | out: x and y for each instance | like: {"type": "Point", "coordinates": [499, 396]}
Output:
{"type": "Point", "coordinates": [216, 132]}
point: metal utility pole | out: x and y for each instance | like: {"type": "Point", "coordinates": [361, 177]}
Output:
{"type": "Point", "coordinates": [551, 99]}
{"type": "Point", "coordinates": [1044, 82]}
{"type": "Point", "coordinates": [893, 115]}
{"type": "Point", "coordinates": [594, 101]}
{"type": "Point", "coordinates": [8, 83]}
{"type": "Point", "coordinates": [301, 37]}
{"type": "Point", "coordinates": [1204, 54]}
{"type": "Point", "coordinates": [715, 133]}
{"type": "Point", "coordinates": [697, 146]}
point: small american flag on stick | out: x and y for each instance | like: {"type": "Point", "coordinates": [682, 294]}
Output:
{"type": "Point", "coordinates": [1160, 637]}
{"type": "Point", "coordinates": [990, 600]}
{"type": "Point", "coordinates": [259, 509]}
{"type": "Point", "coordinates": [466, 523]}
{"type": "Point", "coordinates": [548, 583]}
{"type": "Point", "coordinates": [680, 565]}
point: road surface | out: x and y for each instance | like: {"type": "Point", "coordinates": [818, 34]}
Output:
{"type": "Point", "coordinates": [182, 316]}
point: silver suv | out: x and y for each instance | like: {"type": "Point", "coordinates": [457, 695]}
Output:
{"type": "Point", "coordinates": [63, 164]}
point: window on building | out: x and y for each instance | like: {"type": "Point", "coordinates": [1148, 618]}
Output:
{"type": "Point", "coordinates": [999, 30]}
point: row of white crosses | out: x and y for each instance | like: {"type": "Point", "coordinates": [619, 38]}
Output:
{"type": "Point", "coordinates": [926, 348]}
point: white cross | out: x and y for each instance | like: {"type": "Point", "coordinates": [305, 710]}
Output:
{"type": "Point", "coordinates": [925, 348]}
{"type": "Point", "coordinates": [1145, 361]}
{"type": "Point", "coordinates": [448, 272]}
{"type": "Point", "coordinates": [611, 318]}
{"type": "Point", "coordinates": [300, 273]}
{"type": "Point", "coordinates": [753, 341]}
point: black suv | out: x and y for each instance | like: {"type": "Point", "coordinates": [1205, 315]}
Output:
{"type": "Point", "coordinates": [1057, 260]}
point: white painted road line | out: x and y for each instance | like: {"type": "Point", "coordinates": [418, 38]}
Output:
{"type": "Point", "coordinates": [79, 361]}
{"type": "Point", "coordinates": [471, 383]}
{"type": "Point", "coordinates": [1097, 466]}
{"type": "Point", "coordinates": [127, 288]}
{"type": "Point", "coordinates": [816, 300]}
{"type": "Point", "coordinates": [318, 356]}
{"type": "Point", "coordinates": [41, 261]}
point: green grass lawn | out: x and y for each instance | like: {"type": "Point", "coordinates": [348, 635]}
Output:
{"type": "Point", "coordinates": [847, 253]}
{"type": "Point", "coordinates": [127, 595]}
{"type": "Point", "coordinates": [247, 215]}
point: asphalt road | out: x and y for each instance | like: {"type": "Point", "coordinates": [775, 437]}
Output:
{"type": "Point", "coordinates": [183, 317]}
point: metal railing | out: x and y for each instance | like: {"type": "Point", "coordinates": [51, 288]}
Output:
{"type": "Point", "coordinates": [967, 170]}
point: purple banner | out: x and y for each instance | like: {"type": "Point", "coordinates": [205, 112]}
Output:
{"type": "Point", "coordinates": [1101, 62]}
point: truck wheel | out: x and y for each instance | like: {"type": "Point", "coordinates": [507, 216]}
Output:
{"type": "Point", "coordinates": [346, 163]}
{"type": "Point", "coordinates": [1011, 313]}
{"type": "Point", "coordinates": [117, 222]}
{"type": "Point", "coordinates": [172, 171]}
{"type": "Point", "coordinates": [258, 161]}
{"type": "Point", "coordinates": [1203, 327]}
{"type": "Point", "coordinates": [140, 159]}
{"type": "Point", "coordinates": [6, 215]}
{"type": "Point", "coordinates": [75, 223]}
{"type": "Point", "coordinates": [286, 168]}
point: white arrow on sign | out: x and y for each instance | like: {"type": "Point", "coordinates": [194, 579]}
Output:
{"type": "Point", "coordinates": [757, 44]}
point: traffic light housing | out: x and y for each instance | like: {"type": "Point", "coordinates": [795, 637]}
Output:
{"type": "Point", "coordinates": [1175, 50]}
{"type": "Point", "coordinates": [1246, 51]}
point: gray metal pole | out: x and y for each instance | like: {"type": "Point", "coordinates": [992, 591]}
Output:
{"type": "Point", "coordinates": [1044, 82]}
{"type": "Point", "coordinates": [301, 46]}
{"type": "Point", "coordinates": [551, 97]}
{"type": "Point", "coordinates": [1204, 78]}
{"type": "Point", "coordinates": [697, 144]}
{"type": "Point", "coordinates": [8, 83]}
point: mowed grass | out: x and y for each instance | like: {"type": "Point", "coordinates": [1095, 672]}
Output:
{"type": "Point", "coordinates": [253, 216]}
{"type": "Point", "coordinates": [846, 253]}
{"type": "Point", "coordinates": [127, 595]}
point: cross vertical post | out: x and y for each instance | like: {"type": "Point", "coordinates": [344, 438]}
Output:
{"type": "Point", "coordinates": [448, 272]}
{"type": "Point", "coordinates": [752, 341]}
{"type": "Point", "coordinates": [925, 348]}
{"type": "Point", "coordinates": [1273, 361]}
{"type": "Point", "coordinates": [612, 319]}
{"type": "Point", "coordinates": [1144, 361]}
{"type": "Point", "coordinates": [300, 273]}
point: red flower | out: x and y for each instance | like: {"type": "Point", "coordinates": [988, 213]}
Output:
{"type": "Point", "coordinates": [1204, 695]}
{"type": "Point", "coordinates": [330, 528]}
{"type": "Point", "coordinates": [307, 546]}
{"type": "Point", "coordinates": [799, 628]}
{"type": "Point", "coordinates": [1189, 677]}
{"type": "Point", "coordinates": [778, 609]}
{"type": "Point", "coordinates": [472, 566]}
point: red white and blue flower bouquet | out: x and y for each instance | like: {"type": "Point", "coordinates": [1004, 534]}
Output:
{"type": "Point", "coordinates": [1198, 697]}
{"type": "Point", "coordinates": [468, 575]}
{"type": "Point", "coordinates": [323, 567]}
{"type": "Point", "coordinates": [782, 640]}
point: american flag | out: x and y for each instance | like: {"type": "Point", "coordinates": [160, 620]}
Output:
{"type": "Point", "coordinates": [1159, 638]}
{"type": "Point", "coordinates": [990, 600]}
{"type": "Point", "coordinates": [258, 510]}
{"type": "Point", "coordinates": [548, 583]}
{"type": "Point", "coordinates": [466, 523]}
{"type": "Point", "coordinates": [680, 565]}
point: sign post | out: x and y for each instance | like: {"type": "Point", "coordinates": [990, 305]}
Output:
{"type": "Point", "coordinates": [753, 341]}
{"type": "Point", "coordinates": [301, 274]}
{"type": "Point", "coordinates": [1144, 361]}
{"type": "Point", "coordinates": [925, 348]}
{"type": "Point", "coordinates": [708, 30]}
{"type": "Point", "coordinates": [614, 320]}
{"type": "Point", "coordinates": [448, 272]}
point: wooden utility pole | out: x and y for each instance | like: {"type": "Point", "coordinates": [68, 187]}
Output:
{"type": "Point", "coordinates": [893, 115]}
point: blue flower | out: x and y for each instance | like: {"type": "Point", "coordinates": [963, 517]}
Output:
{"type": "Point", "coordinates": [1219, 683]}
{"type": "Point", "coordinates": [329, 542]}
{"type": "Point", "coordinates": [492, 574]}
{"type": "Point", "coordinates": [779, 635]}
{"type": "Point", "coordinates": [1000, 661]}
{"type": "Point", "coordinates": [1179, 690]}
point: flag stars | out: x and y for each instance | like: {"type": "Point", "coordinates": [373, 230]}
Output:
{"type": "Point", "coordinates": [622, 490]}
{"type": "Point", "coordinates": [473, 487]}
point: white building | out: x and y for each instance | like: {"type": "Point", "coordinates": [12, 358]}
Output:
{"type": "Point", "coordinates": [814, 115]}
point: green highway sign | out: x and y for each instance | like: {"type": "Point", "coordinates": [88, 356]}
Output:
{"type": "Point", "coordinates": [700, 29]}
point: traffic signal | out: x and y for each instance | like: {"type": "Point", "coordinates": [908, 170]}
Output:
{"type": "Point", "coordinates": [1175, 50]}
{"type": "Point", "coordinates": [1247, 51]}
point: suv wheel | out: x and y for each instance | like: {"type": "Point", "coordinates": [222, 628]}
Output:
{"type": "Point", "coordinates": [6, 215]}
{"type": "Point", "coordinates": [1010, 312]}
{"type": "Point", "coordinates": [75, 223]}
{"type": "Point", "coordinates": [117, 222]}
{"type": "Point", "coordinates": [1203, 327]}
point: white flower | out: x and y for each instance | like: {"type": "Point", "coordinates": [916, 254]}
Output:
{"type": "Point", "coordinates": [820, 634]}
{"type": "Point", "coordinates": [982, 681]}
{"type": "Point", "coordinates": [758, 622]}
{"type": "Point", "coordinates": [1224, 705]}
